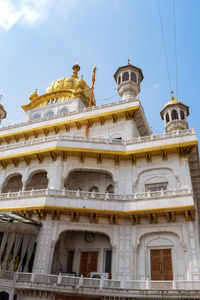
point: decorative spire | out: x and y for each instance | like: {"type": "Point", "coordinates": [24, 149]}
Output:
{"type": "Point", "coordinates": [76, 68]}
{"type": "Point", "coordinates": [172, 93]}
{"type": "Point", "coordinates": [33, 95]}
{"type": "Point", "coordinates": [128, 61]}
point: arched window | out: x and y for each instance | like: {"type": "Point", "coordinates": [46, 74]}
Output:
{"type": "Point", "coordinates": [37, 181]}
{"type": "Point", "coordinates": [13, 184]}
{"type": "Point", "coordinates": [94, 189]}
{"type": "Point", "coordinates": [110, 189]}
{"type": "Point", "coordinates": [49, 114]}
{"type": "Point", "coordinates": [167, 118]}
{"type": "Point", "coordinates": [87, 179]}
{"type": "Point", "coordinates": [133, 77]}
{"type": "Point", "coordinates": [119, 79]}
{"type": "Point", "coordinates": [125, 76]}
{"type": "Point", "coordinates": [174, 114]}
{"type": "Point", "coordinates": [36, 116]}
{"type": "Point", "coordinates": [182, 115]}
{"type": "Point", "coordinates": [63, 111]}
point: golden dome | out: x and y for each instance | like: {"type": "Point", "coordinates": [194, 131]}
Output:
{"type": "Point", "coordinates": [67, 88]}
{"type": "Point", "coordinates": [66, 83]}
{"type": "Point", "coordinates": [172, 101]}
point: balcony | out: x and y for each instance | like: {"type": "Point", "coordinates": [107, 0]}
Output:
{"type": "Point", "coordinates": [64, 284]}
{"type": "Point", "coordinates": [123, 145]}
{"type": "Point", "coordinates": [127, 205]}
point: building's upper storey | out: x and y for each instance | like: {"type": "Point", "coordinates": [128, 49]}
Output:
{"type": "Point", "coordinates": [117, 130]}
{"type": "Point", "coordinates": [55, 131]}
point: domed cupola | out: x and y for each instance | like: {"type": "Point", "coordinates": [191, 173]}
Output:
{"type": "Point", "coordinates": [175, 115]}
{"type": "Point", "coordinates": [128, 80]}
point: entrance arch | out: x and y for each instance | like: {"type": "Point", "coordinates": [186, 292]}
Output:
{"type": "Point", "coordinates": [81, 253]}
{"type": "Point", "coordinates": [4, 296]}
{"type": "Point", "coordinates": [154, 250]}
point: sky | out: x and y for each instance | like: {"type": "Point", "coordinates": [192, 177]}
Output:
{"type": "Point", "coordinates": [40, 40]}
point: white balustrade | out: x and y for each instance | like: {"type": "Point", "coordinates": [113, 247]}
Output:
{"type": "Point", "coordinates": [91, 282]}
{"type": "Point", "coordinates": [135, 285]}
{"type": "Point", "coordinates": [70, 113]}
{"type": "Point", "coordinates": [161, 285]}
{"type": "Point", "coordinates": [69, 280]}
{"type": "Point", "coordinates": [6, 275]}
{"type": "Point", "coordinates": [66, 280]}
{"type": "Point", "coordinates": [138, 140]}
{"type": "Point", "coordinates": [111, 284]}
{"type": "Point", "coordinates": [96, 195]}
{"type": "Point", "coordinates": [46, 278]}
{"type": "Point", "coordinates": [24, 277]}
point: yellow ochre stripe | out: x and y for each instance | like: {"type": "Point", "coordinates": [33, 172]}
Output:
{"type": "Point", "coordinates": [89, 150]}
{"type": "Point", "coordinates": [103, 211]}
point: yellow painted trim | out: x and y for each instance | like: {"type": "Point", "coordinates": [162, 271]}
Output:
{"type": "Point", "coordinates": [103, 211]}
{"type": "Point", "coordinates": [70, 121]}
{"type": "Point", "coordinates": [89, 150]}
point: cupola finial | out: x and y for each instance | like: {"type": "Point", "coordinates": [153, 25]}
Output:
{"type": "Point", "coordinates": [76, 68]}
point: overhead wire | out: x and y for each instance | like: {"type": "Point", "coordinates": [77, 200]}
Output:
{"type": "Point", "coordinates": [164, 43]}
{"type": "Point", "coordinates": [175, 45]}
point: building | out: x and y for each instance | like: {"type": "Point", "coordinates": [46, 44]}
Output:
{"type": "Point", "coordinates": [110, 216]}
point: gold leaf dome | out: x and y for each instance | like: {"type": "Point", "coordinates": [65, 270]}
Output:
{"type": "Point", "coordinates": [66, 88]}
{"type": "Point", "coordinates": [172, 101]}
{"type": "Point", "coordinates": [67, 83]}
{"type": "Point", "coordinates": [62, 84]}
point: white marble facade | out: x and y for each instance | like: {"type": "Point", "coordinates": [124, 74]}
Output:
{"type": "Point", "coordinates": [130, 244]}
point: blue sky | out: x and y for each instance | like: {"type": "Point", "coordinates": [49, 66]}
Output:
{"type": "Point", "coordinates": [40, 40]}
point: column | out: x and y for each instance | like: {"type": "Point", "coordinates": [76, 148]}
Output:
{"type": "Point", "coordinates": [43, 255]}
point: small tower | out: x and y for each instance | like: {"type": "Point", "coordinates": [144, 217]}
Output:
{"type": "Point", "coordinates": [2, 111]}
{"type": "Point", "coordinates": [175, 115]}
{"type": "Point", "coordinates": [128, 80]}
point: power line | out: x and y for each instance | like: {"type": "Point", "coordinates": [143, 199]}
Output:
{"type": "Point", "coordinates": [176, 60]}
{"type": "Point", "coordinates": [164, 42]}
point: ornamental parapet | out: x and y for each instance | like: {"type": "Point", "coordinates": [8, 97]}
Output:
{"type": "Point", "coordinates": [149, 205]}
{"type": "Point", "coordinates": [181, 142]}
{"type": "Point", "coordinates": [139, 140]}
{"type": "Point", "coordinates": [93, 110]}
{"type": "Point", "coordinates": [92, 286]}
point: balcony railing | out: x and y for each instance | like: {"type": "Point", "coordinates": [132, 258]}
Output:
{"type": "Point", "coordinates": [85, 109]}
{"type": "Point", "coordinates": [66, 281]}
{"type": "Point", "coordinates": [138, 140]}
{"type": "Point", "coordinates": [95, 195]}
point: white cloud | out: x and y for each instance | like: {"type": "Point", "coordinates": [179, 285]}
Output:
{"type": "Point", "coordinates": [156, 85]}
{"type": "Point", "coordinates": [30, 12]}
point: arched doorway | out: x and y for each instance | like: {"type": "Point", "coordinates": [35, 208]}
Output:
{"type": "Point", "coordinates": [81, 253]}
{"type": "Point", "coordinates": [4, 296]}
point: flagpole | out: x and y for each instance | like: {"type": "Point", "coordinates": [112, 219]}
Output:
{"type": "Point", "coordinates": [91, 97]}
